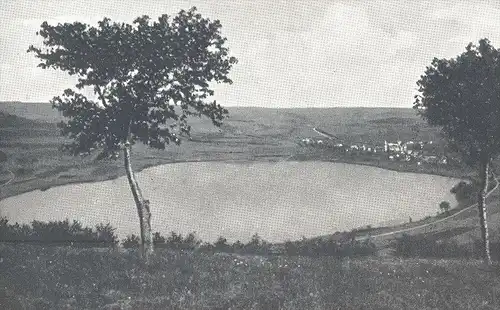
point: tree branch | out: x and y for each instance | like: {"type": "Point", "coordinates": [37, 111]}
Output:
{"type": "Point", "coordinates": [101, 96]}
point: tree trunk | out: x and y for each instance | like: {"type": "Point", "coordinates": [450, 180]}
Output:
{"type": "Point", "coordinates": [146, 246]}
{"type": "Point", "coordinates": [481, 204]}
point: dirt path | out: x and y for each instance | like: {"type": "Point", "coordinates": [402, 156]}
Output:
{"type": "Point", "coordinates": [13, 176]}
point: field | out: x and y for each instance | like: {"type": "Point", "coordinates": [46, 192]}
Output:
{"type": "Point", "coordinates": [62, 278]}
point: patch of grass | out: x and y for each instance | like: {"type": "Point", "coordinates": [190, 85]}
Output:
{"type": "Point", "coordinates": [329, 247]}
{"type": "Point", "coordinates": [36, 277]}
{"type": "Point", "coordinates": [185, 273]}
{"type": "Point", "coordinates": [428, 247]}
{"type": "Point", "coordinates": [440, 245]}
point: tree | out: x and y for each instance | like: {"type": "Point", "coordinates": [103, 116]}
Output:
{"type": "Point", "coordinates": [461, 95]}
{"type": "Point", "coordinates": [445, 207]}
{"type": "Point", "coordinates": [148, 77]}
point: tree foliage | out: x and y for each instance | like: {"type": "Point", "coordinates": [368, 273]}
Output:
{"type": "Point", "coordinates": [445, 206]}
{"type": "Point", "coordinates": [148, 76]}
{"type": "Point", "coordinates": [462, 95]}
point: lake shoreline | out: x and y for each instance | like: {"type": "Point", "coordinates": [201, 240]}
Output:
{"type": "Point", "coordinates": [315, 190]}
{"type": "Point", "coordinates": [20, 186]}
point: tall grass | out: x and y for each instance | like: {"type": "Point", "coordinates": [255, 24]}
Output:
{"type": "Point", "coordinates": [428, 246]}
{"type": "Point", "coordinates": [43, 277]}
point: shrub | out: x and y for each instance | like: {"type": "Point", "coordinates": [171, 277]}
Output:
{"type": "Point", "coordinates": [191, 241]}
{"type": "Point", "coordinates": [237, 246]}
{"type": "Point", "coordinates": [57, 232]}
{"type": "Point", "coordinates": [131, 241]}
{"type": "Point", "coordinates": [445, 207]}
{"type": "Point", "coordinates": [158, 239]}
{"type": "Point", "coordinates": [256, 246]}
{"type": "Point", "coordinates": [176, 241]}
{"type": "Point", "coordinates": [221, 245]}
{"type": "Point", "coordinates": [206, 247]}
{"type": "Point", "coordinates": [105, 234]}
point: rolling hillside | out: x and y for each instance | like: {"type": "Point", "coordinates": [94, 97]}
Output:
{"type": "Point", "coordinates": [31, 140]}
{"type": "Point", "coordinates": [356, 124]}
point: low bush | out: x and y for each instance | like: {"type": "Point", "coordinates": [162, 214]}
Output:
{"type": "Point", "coordinates": [174, 241]}
{"type": "Point", "coordinates": [131, 241]}
{"type": "Point", "coordinates": [64, 233]}
{"type": "Point", "coordinates": [57, 232]}
{"type": "Point", "coordinates": [256, 245]}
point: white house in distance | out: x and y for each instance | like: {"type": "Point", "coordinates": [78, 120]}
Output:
{"type": "Point", "coordinates": [394, 147]}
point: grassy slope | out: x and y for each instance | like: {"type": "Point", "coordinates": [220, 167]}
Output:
{"type": "Point", "coordinates": [52, 278]}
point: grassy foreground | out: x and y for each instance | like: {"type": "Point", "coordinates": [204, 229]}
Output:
{"type": "Point", "coordinates": [36, 277]}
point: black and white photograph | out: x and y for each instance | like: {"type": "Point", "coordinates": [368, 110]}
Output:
{"type": "Point", "coordinates": [266, 154]}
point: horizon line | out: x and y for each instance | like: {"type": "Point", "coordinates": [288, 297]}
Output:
{"type": "Point", "coordinates": [253, 107]}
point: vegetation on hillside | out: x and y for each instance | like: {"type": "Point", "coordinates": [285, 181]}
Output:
{"type": "Point", "coordinates": [58, 232]}
{"type": "Point", "coordinates": [103, 235]}
{"type": "Point", "coordinates": [185, 273]}
{"type": "Point", "coordinates": [460, 95]}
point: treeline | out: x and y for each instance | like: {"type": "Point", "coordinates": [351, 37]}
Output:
{"type": "Point", "coordinates": [74, 234]}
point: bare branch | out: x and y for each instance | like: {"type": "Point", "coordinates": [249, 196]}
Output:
{"type": "Point", "coordinates": [101, 96]}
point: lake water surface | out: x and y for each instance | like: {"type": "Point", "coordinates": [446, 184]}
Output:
{"type": "Point", "coordinates": [279, 201]}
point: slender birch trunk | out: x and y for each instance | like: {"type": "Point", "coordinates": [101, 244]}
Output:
{"type": "Point", "coordinates": [481, 204]}
{"type": "Point", "coordinates": [143, 210]}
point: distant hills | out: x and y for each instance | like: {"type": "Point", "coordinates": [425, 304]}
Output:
{"type": "Point", "coordinates": [348, 124]}
{"type": "Point", "coordinates": [33, 111]}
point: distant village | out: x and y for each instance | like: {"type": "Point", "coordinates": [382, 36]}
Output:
{"type": "Point", "coordinates": [418, 152]}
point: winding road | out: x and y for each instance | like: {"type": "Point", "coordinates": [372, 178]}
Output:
{"type": "Point", "coordinates": [430, 224]}
{"type": "Point", "coordinates": [13, 176]}
{"type": "Point", "coordinates": [324, 134]}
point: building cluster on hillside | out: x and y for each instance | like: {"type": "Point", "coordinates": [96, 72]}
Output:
{"type": "Point", "coordinates": [409, 151]}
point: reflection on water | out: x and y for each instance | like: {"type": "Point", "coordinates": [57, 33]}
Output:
{"type": "Point", "coordinates": [285, 200]}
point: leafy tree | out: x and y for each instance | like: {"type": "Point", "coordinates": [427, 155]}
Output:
{"type": "Point", "coordinates": [149, 78]}
{"type": "Point", "coordinates": [461, 95]}
{"type": "Point", "coordinates": [464, 191]}
{"type": "Point", "coordinates": [445, 206]}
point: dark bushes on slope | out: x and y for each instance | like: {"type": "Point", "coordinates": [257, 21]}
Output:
{"type": "Point", "coordinates": [58, 232]}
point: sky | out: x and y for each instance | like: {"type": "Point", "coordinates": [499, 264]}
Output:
{"type": "Point", "coordinates": [295, 54]}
